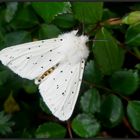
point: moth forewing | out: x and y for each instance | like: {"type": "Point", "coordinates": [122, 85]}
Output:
{"type": "Point", "coordinates": [55, 64]}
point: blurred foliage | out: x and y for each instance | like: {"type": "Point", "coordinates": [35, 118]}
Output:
{"type": "Point", "coordinates": [5, 124]}
{"type": "Point", "coordinates": [109, 100]}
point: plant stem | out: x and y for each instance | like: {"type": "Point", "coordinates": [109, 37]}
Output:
{"type": "Point", "coordinates": [125, 48]}
{"type": "Point", "coordinates": [107, 89]}
{"type": "Point", "coordinates": [126, 123]}
{"type": "Point", "coordinates": [69, 129]}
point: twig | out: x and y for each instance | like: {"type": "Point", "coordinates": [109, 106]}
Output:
{"type": "Point", "coordinates": [113, 21]}
{"type": "Point", "coordinates": [107, 89]}
{"type": "Point", "coordinates": [98, 25]}
{"type": "Point", "coordinates": [69, 129]}
{"type": "Point", "coordinates": [124, 47]}
{"type": "Point", "coordinates": [105, 134]}
{"type": "Point", "coordinates": [126, 123]}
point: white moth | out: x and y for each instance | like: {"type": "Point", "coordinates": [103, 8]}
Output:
{"type": "Point", "coordinates": [56, 65]}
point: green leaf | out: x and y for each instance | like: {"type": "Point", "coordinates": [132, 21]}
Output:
{"type": "Point", "coordinates": [25, 134]}
{"type": "Point", "coordinates": [88, 12]}
{"type": "Point", "coordinates": [5, 123]}
{"type": "Point", "coordinates": [49, 10]}
{"type": "Point", "coordinates": [24, 18]}
{"type": "Point", "coordinates": [132, 35]}
{"type": "Point", "coordinates": [65, 21]}
{"type": "Point", "coordinates": [108, 55]}
{"type": "Point", "coordinates": [29, 87]}
{"type": "Point", "coordinates": [2, 17]}
{"type": "Point", "coordinates": [92, 73]}
{"type": "Point", "coordinates": [50, 130]}
{"type": "Point", "coordinates": [4, 74]}
{"type": "Point", "coordinates": [107, 14]}
{"type": "Point", "coordinates": [85, 126]}
{"type": "Point", "coordinates": [132, 18]}
{"type": "Point", "coordinates": [90, 101]}
{"type": "Point", "coordinates": [137, 66]}
{"type": "Point", "coordinates": [10, 10]}
{"type": "Point", "coordinates": [125, 82]}
{"type": "Point", "coordinates": [17, 37]}
{"type": "Point", "coordinates": [44, 107]}
{"type": "Point", "coordinates": [10, 104]}
{"type": "Point", "coordinates": [48, 31]}
{"type": "Point", "coordinates": [133, 112]}
{"type": "Point", "coordinates": [111, 112]}
{"type": "Point", "coordinates": [2, 40]}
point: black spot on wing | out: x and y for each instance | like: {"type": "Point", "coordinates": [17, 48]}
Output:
{"type": "Point", "coordinates": [28, 57]}
{"type": "Point", "coordinates": [57, 87]}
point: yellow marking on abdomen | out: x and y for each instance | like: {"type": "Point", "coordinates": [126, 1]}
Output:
{"type": "Point", "coordinates": [46, 73]}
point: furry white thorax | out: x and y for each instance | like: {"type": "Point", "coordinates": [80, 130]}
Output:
{"type": "Point", "coordinates": [73, 47]}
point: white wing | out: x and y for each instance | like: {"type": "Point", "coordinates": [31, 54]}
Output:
{"type": "Point", "coordinates": [30, 60]}
{"type": "Point", "coordinates": [61, 88]}
{"type": "Point", "coordinates": [37, 59]}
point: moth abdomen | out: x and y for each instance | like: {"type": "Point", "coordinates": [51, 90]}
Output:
{"type": "Point", "coordinates": [39, 79]}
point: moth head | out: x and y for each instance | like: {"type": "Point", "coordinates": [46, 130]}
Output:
{"type": "Point", "coordinates": [74, 38]}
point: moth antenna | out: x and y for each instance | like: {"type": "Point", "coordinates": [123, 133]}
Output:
{"type": "Point", "coordinates": [83, 26]}
{"type": "Point", "coordinates": [94, 40]}
{"type": "Point", "coordinates": [98, 40]}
